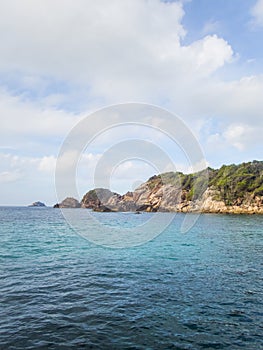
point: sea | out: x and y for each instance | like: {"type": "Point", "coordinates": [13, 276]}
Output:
{"type": "Point", "coordinates": [200, 289]}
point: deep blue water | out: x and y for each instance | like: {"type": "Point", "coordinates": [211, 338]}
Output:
{"type": "Point", "coordinates": [199, 290]}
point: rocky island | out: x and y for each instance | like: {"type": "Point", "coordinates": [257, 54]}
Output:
{"type": "Point", "coordinates": [68, 202]}
{"type": "Point", "coordinates": [233, 189]}
{"type": "Point", "coordinates": [37, 204]}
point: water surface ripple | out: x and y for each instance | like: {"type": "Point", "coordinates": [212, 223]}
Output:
{"type": "Point", "coordinates": [200, 290]}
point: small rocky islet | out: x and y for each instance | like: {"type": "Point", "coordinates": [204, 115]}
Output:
{"type": "Point", "coordinates": [37, 204]}
{"type": "Point", "coordinates": [232, 189]}
{"type": "Point", "coordinates": [68, 202]}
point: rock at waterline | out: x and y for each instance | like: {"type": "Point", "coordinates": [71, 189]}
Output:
{"type": "Point", "coordinates": [103, 209]}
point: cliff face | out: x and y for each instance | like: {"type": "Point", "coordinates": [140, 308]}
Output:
{"type": "Point", "coordinates": [248, 204]}
{"type": "Point", "coordinates": [230, 189]}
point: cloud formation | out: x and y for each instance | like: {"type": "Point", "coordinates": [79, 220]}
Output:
{"type": "Point", "coordinates": [127, 47]}
{"type": "Point", "coordinates": [60, 60]}
{"type": "Point", "coordinates": [257, 13]}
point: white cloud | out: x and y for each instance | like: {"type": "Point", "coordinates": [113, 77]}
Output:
{"type": "Point", "coordinates": [78, 42]}
{"type": "Point", "coordinates": [231, 101]}
{"type": "Point", "coordinates": [9, 176]}
{"type": "Point", "coordinates": [27, 118]}
{"type": "Point", "coordinates": [25, 179]}
{"type": "Point", "coordinates": [47, 164]}
{"type": "Point", "coordinates": [209, 54]}
{"type": "Point", "coordinates": [100, 52]}
{"type": "Point", "coordinates": [242, 136]}
{"type": "Point", "coordinates": [210, 27]}
{"type": "Point", "coordinates": [25, 166]}
{"type": "Point", "coordinates": [257, 13]}
{"type": "Point", "coordinates": [122, 50]}
{"type": "Point", "coordinates": [234, 135]}
{"type": "Point", "coordinates": [32, 128]}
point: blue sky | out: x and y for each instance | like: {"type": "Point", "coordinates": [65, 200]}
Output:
{"type": "Point", "coordinates": [202, 60]}
{"type": "Point", "coordinates": [232, 21]}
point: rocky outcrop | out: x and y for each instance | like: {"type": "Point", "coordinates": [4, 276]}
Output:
{"type": "Point", "coordinates": [68, 202]}
{"type": "Point", "coordinates": [231, 189]}
{"type": "Point", "coordinates": [101, 199]}
{"type": "Point", "coordinates": [154, 195]}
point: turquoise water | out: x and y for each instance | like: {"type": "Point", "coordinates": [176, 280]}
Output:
{"type": "Point", "coordinates": [199, 290]}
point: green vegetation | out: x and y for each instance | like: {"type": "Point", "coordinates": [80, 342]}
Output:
{"type": "Point", "coordinates": [232, 182]}
{"type": "Point", "coordinates": [235, 181]}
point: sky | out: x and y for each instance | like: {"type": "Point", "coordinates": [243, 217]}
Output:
{"type": "Point", "coordinates": [62, 60]}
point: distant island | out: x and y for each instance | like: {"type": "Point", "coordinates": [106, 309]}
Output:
{"type": "Point", "coordinates": [233, 189]}
{"type": "Point", "coordinates": [37, 204]}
